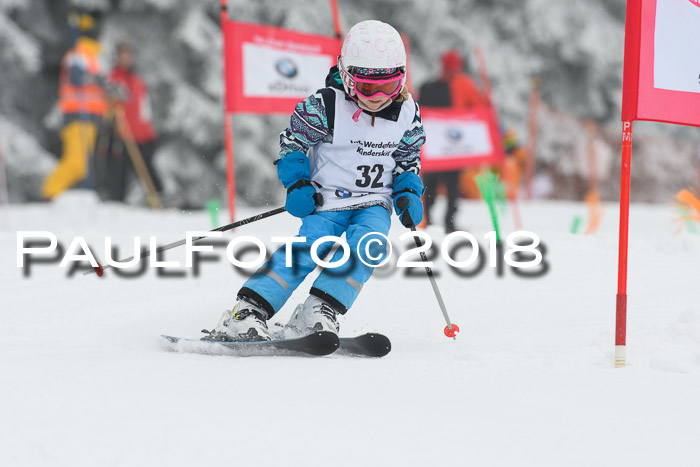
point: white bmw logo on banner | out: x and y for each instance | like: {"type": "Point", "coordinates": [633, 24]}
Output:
{"type": "Point", "coordinates": [454, 134]}
{"type": "Point", "coordinates": [343, 193]}
{"type": "Point", "coordinates": [286, 68]}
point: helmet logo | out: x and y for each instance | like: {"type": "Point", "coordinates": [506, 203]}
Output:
{"type": "Point", "coordinates": [286, 68]}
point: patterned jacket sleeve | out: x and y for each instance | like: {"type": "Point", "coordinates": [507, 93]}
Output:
{"type": "Point", "coordinates": [307, 127]}
{"type": "Point", "coordinates": [407, 154]}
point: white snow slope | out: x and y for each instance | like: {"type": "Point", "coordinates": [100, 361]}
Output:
{"type": "Point", "coordinates": [529, 381]}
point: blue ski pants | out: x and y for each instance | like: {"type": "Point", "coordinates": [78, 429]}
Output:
{"type": "Point", "coordinates": [274, 282]}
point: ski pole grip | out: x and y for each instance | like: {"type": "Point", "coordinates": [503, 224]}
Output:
{"type": "Point", "coordinates": [401, 204]}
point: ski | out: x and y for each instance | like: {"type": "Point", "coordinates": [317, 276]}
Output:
{"type": "Point", "coordinates": [371, 344]}
{"type": "Point", "coordinates": [366, 345]}
{"type": "Point", "coordinates": [316, 344]}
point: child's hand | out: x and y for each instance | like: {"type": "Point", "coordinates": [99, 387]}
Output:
{"type": "Point", "coordinates": [408, 188]}
{"type": "Point", "coordinates": [301, 201]}
{"type": "Point", "coordinates": [294, 172]}
{"type": "Point", "coordinates": [409, 208]}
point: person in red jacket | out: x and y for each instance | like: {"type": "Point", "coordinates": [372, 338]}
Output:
{"type": "Point", "coordinates": [456, 90]}
{"type": "Point", "coordinates": [138, 119]}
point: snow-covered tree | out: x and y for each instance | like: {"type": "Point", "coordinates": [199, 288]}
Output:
{"type": "Point", "coordinates": [574, 48]}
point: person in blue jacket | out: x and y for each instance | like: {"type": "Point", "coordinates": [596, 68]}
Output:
{"type": "Point", "coordinates": [355, 145]}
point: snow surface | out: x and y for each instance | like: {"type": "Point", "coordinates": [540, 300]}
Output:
{"type": "Point", "coordinates": [529, 382]}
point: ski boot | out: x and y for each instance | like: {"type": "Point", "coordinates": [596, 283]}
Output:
{"type": "Point", "coordinates": [245, 323]}
{"type": "Point", "coordinates": [314, 315]}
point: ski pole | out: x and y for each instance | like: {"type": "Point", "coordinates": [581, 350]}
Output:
{"type": "Point", "coordinates": [136, 158]}
{"type": "Point", "coordinates": [451, 330]}
{"type": "Point", "coordinates": [99, 270]}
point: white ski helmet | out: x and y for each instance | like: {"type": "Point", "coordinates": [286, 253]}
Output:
{"type": "Point", "coordinates": [372, 45]}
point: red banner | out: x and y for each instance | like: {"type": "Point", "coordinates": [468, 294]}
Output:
{"type": "Point", "coordinates": [270, 69]}
{"type": "Point", "coordinates": [662, 61]}
{"type": "Point", "coordinates": [457, 139]}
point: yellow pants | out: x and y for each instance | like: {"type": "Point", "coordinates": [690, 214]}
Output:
{"type": "Point", "coordinates": [78, 142]}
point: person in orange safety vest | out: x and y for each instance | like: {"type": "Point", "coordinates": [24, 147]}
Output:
{"type": "Point", "coordinates": [82, 102]}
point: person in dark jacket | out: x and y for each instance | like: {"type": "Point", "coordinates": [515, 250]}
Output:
{"type": "Point", "coordinates": [453, 89]}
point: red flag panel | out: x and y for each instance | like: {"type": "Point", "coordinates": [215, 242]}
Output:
{"type": "Point", "coordinates": [662, 61]}
{"type": "Point", "coordinates": [270, 69]}
{"type": "Point", "coordinates": [456, 139]}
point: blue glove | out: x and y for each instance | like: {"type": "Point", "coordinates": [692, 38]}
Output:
{"type": "Point", "coordinates": [294, 171]}
{"type": "Point", "coordinates": [301, 201]}
{"type": "Point", "coordinates": [408, 188]}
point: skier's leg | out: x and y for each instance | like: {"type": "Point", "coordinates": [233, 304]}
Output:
{"type": "Point", "coordinates": [452, 187]}
{"type": "Point", "coordinates": [273, 284]}
{"type": "Point", "coordinates": [339, 287]}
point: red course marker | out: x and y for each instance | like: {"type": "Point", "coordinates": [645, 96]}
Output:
{"type": "Point", "coordinates": [451, 332]}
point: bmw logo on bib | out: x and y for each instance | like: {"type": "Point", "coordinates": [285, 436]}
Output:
{"type": "Point", "coordinates": [343, 193]}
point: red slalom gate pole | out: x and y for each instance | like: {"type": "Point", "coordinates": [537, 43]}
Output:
{"type": "Point", "coordinates": [621, 306]}
{"type": "Point", "coordinates": [336, 19]}
{"type": "Point", "coordinates": [407, 46]}
{"type": "Point", "coordinates": [228, 130]}
{"type": "Point", "coordinates": [483, 74]}
{"type": "Point", "coordinates": [230, 173]}
{"type": "Point", "coordinates": [532, 136]}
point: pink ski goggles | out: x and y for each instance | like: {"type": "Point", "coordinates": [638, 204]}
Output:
{"type": "Point", "coordinates": [370, 87]}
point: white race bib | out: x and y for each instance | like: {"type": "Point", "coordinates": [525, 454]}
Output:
{"type": "Point", "coordinates": [357, 167]}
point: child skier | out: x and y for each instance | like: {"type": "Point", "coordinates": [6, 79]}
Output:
{"type": "Point", "coordinates": [349, 150]}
